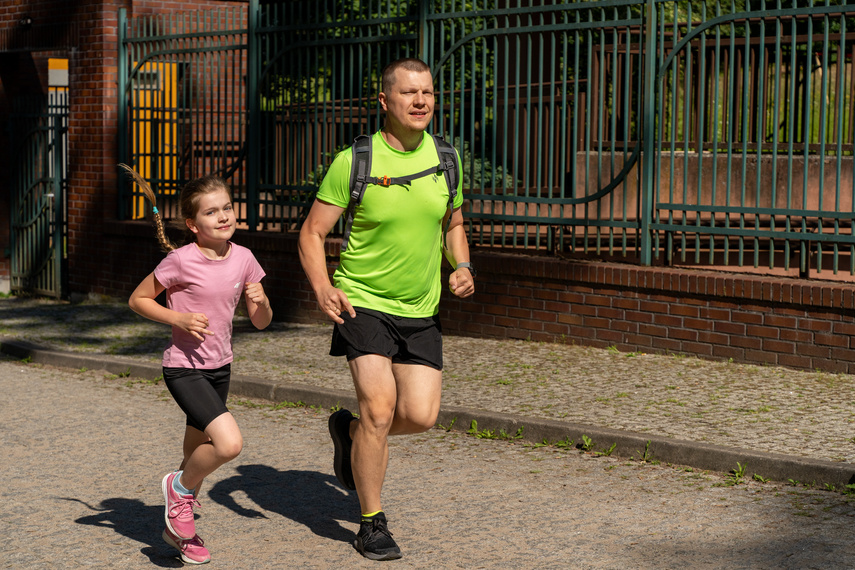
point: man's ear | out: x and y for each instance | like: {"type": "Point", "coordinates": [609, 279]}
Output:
{"type": "Point", "coordinates": [382, 98]}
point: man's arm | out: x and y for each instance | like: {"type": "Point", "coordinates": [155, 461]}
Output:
{"type": "Point", "coordinates": [321, 219]}
{"type": "Point", "coordinates": [460, 282]}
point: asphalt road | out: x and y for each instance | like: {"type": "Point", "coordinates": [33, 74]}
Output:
{"type": "Point", "coordinates": [84, 452]}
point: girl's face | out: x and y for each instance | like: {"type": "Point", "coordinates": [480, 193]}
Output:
{"type": "Point", "coordinates": [215, 219]}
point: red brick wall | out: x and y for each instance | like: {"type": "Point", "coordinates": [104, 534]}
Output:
{"type": "Point", "coordinates": [789, 322]}
{"type": "Point", "coordinates": [92, 172]}
{"type": "Point", "coordinates": [768, 320]}
{"type": "Point", "coordinates": [782, 321]}
{"type": "Point", "coordinates": [93, 130]}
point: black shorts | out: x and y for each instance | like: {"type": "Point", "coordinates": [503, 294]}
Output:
{"type": "Point", "coordinates": [405, 340]}
{"type": "Point", "coordinates": [201, 394]}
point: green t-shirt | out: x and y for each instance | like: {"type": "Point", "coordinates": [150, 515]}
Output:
{"type": "Point", "coordinates": [393, 257]}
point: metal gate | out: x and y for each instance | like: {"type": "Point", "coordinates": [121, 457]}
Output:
{"type": "Point", "coordinates": [650, 131]}
{"type": "Point", "coordinates": [38, 131]}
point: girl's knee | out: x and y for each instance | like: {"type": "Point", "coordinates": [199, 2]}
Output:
{"type": "Point", "coordinates": [230, 448]}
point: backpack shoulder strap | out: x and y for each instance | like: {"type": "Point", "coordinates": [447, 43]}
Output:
{"type": "Point", "coordinates": [450, 166]}
{"type": "Point", "coordinates": [360, 168]}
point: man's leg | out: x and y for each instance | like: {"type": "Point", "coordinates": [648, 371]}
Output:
{"type": "Point", "coordinates": [394, 399]}
{"type": "Point", "coordinates": [419, 393]}
{"type": "Point", "coordinates": [377, 395]}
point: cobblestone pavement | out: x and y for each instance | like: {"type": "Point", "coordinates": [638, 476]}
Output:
{"type": "Point", "coordinates": [762, 408]}
{"type": "Point", "coordinates": [84, 451]}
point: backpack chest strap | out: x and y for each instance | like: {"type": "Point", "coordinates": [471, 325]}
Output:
{"type": "Point", "coordinates": [402, 180]}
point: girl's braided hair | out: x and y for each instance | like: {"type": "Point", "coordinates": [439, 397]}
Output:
{"type": "Point", "coordinates": [165, 244]}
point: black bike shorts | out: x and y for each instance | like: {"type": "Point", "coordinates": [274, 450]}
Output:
{"type": "Point", "coordinates": [201, 394]}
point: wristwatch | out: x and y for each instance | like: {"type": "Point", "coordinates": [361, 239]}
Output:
{"type": "Point", "coordinates": [468, 265]}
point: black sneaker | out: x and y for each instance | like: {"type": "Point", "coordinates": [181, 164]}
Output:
{"type": "Point", "coordinates": [374, 540]}
{"type": "Point", "coordinates": [340, 432]}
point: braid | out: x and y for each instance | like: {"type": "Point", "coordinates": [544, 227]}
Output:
{"type": "Point", "coordinates": [165, 244]}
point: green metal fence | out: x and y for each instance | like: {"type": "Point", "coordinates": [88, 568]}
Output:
{"type": "Point", "coordinates": [755, 136]}
{"type": "Point", "coordinates": [182, 109]}
{"type": "Point", "coordinates": [38, 130]}
{"type": "Point", "coordinates": [672, 132]}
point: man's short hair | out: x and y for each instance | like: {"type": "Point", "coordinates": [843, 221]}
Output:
{"type": "Point", "coordinates": [408, 63]}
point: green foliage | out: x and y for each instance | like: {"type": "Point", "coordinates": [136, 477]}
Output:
{"type": "Point", "coordinates": [587, 443]}
{"type": "Point", "coordinates": [479, 172]}
{"type": "Point", "coordinates": [283, 405]}
{"type": "Point", "coordinates": [449, 426]}
{"type": "Point", "coordinates": [736, 474]}
{"type": "Point", "coordinates": [646, 456]}
{"type": "Point", "coordinates": [491, 434]}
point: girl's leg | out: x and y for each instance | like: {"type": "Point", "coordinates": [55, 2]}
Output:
{"type": "Point", "coordinates": [224, 444]}
{"type": "Point", "coordinates": [193, 438]}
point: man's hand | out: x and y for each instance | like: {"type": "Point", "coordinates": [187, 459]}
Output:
{"type": "Point", "coordinates": [333, 302]}
{"type": "Point", "coordinates": [461, 283]}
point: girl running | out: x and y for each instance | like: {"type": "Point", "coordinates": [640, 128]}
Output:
{"type": "Point", "coordinates": [203, 281]}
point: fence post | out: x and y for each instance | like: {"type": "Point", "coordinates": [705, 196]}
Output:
{"type": "Point", "coordinates": [59, 285]}
{"type": "Point", "coordinates": [122, 110]}
{"type": "Point", "coordinates": [423, 32]}
{"type": "Point", "coordinates": [648, 144]}
{"type": "Point", "coordinates": [252, 157]}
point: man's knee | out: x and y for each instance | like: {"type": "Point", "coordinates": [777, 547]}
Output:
{"type": "Point", "coordinates": [409, 421]}
{"type": "Point", "coordinates": [376, 417]}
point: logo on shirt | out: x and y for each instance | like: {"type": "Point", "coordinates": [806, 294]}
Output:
{"type": "Point", "coordinates": [237, 284]}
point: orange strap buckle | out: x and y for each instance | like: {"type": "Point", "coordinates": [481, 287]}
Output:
{"type": "Point", "coordinates": [384, 181]}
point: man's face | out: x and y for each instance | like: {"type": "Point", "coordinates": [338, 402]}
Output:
{"type": "Point", "coordinates": [409, 101]}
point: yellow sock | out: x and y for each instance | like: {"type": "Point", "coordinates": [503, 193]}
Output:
{"type": "Point", "coordinates": [369, 515]}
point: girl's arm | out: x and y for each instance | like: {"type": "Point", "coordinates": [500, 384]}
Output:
{"type": "Point", "coordinates": [258, 305]}
{"type": "Point", "coordinates": [144, 302]}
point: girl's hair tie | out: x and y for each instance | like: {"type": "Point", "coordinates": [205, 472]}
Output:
{"type": "Point", "coordinates": [154, 209]}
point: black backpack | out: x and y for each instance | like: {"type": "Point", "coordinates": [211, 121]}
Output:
{"type": "Point", "coordinates": [360, 170]}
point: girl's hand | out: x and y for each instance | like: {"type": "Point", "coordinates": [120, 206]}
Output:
{"type": "Point", "coordinates": [258, 305]}
{"type": "Point", "coordinates": [255, 293]}
{"type": "Point", "coordinates": [194, 323]}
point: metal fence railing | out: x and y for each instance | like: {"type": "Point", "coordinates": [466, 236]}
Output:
{"type": "Point", "coordinates": [38, 252]}
{"type": "Point", "coordinates": [755, 137]}
{"type": "Point", "coordinates": [650, 131]}
{"type": "Point", "coordinates": [182, 113]}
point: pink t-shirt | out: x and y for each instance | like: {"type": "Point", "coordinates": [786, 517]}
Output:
{"type": "Point", "coordinates": [196, 284]}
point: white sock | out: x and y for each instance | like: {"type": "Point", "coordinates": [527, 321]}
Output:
{"type": "Point", "coordinates": [178, 487]}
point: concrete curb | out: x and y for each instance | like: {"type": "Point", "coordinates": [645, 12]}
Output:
{"type": "Point", "coordinates": [772, 466]}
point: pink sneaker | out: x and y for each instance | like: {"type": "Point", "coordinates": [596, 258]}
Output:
{"type": "Point", "coordinates": [192, 551]}
{"type": "Point", "coordinates": [179, 510]}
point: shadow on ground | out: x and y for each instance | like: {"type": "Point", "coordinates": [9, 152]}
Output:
{"type": "Point", "coordinates": [136, 520]}
{"type": "Point", "coordinates": [306, 497]}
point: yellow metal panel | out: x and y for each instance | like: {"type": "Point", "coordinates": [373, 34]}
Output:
{"type": "Point", "coordinates": [155, 126]}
